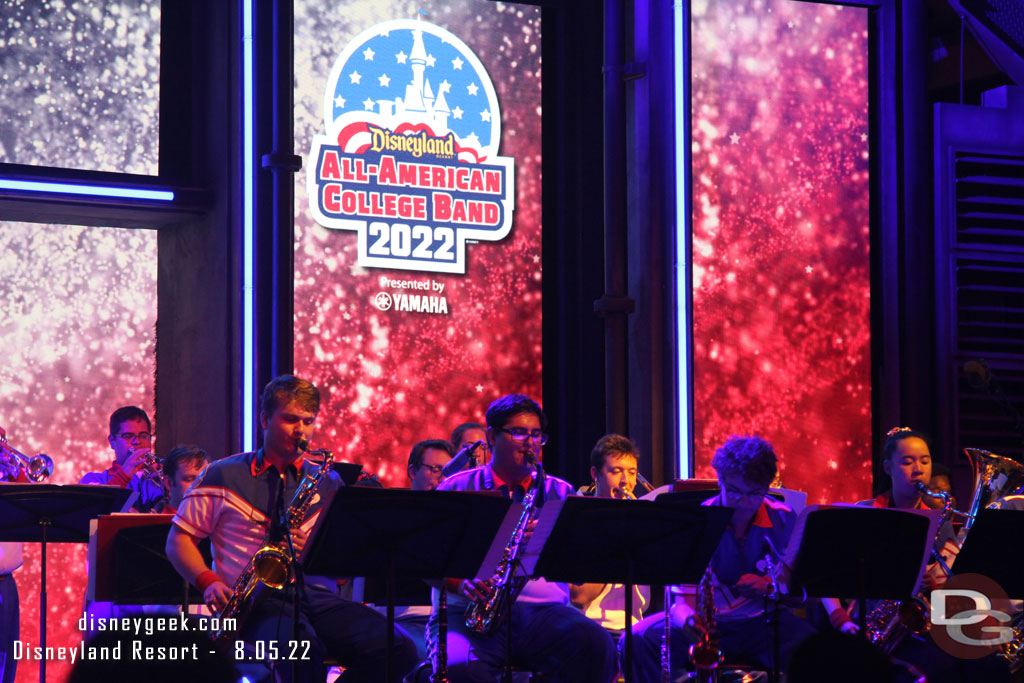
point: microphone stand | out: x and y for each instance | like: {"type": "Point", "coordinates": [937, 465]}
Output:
{"type": "Point", "coordinates": [283, 529]}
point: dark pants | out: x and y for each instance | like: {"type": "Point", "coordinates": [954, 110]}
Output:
{"type": "Point", "coordinates": [555, 640]}
{"type": "Point", "coordinates": [748, 641]}
{"type": "Point", "coordinates": [9, 632]}
{"type": "Point", "coordinates": [350, 632]}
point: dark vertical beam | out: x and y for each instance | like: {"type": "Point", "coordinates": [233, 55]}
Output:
{"type": "Point", "coordinates": [282, 163]}
{"type": "Point", "coordinates": [615, 305]}
{"type": "Point", "coordinates": [652, 240]}
{"type": "Point", "coordinates": [198, 265]}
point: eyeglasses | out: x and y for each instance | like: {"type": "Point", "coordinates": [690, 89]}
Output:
{"type": "Point", "coordinates": [522, 434]}
{"type": "Point", "coordinates": [756, 493]}
{"type": "Point", "coordinates": [128, 436]}
{"type": "Point", "coordinates": [434, 469]}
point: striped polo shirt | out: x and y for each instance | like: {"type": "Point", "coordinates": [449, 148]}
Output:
{"type": "Point", "coordinates": [232, 503]}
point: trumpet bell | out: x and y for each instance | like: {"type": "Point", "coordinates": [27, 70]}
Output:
{"type": "Point", "coordinates": [39, 468]}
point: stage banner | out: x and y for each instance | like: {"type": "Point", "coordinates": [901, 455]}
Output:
{"type": "Point", "coordinates": [418, 218]}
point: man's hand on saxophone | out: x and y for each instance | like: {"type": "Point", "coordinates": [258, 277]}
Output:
{"type": "Point", "coordinates": [753, 586]}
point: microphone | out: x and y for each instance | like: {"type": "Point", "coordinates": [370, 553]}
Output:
{"type": "Point", "coordinates": [462, 459]}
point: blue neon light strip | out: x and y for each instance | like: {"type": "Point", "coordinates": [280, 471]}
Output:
{"type": "Point", "coordinates": [51, 187]}
{"type": "Point", "coordinates": [248, 287]}
{"type": "Point", "coordinates": [683, 332]}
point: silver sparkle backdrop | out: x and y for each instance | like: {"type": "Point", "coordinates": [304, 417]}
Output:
{"type": "Point", "coordinates": [77, 78]}
{"type": "Point", "coordinates": [80, 89]}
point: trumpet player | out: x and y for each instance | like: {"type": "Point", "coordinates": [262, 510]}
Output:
{"type": "Point", "coordinates": [613, 467]}
{"type": "Point", "coordinates": [10, 559]}
{"type": "Point", "coordinates": [547, 634]}
{"type": "Point", "coordinates": [235, 503]}
{"type": "Point", "coordinates": [134, 466]}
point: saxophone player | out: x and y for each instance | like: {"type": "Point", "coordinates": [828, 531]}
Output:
{"type": "Point", "coordinates": [233, 503]}
{"type": "Point", "coordinates": [740, 571]}
{"type": "Point", "coordinates": [907, 461]}
{"type": "Point", "coordinates": [548, 635]}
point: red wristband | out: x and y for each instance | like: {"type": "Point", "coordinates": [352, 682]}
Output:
{"type": "Point", "coordinates": [838, 617]}
{"type": "Point", "coordinates": [207, 579]}
{"type": "Point", "coordinates": [118, 476]}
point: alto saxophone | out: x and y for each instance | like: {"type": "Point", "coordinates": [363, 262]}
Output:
{"type": "Point", "coordinates": [271, 565]}
{"type": "Point", "coordinates": [506, 583]}
{"type": "Point", "coordinates": [705, 654]}
{"type": "Point", "coordinates": [893, 620]}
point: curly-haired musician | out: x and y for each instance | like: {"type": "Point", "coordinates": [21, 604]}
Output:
{"type": "Point", "coordinates": [754, 541]}
{"type": "Point", "coordinates": [131, 437]}
{"type": "Point", "coordinates": [548, 635]}
{"type": "Point", "coordinates": [233, 503]}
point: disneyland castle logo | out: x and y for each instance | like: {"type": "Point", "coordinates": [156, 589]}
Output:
{"type": "Point", "coordinates": [410, 158]}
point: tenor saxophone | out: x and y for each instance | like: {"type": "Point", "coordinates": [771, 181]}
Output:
{"type": "Point", "coordinates": [271, 564]}
{"type": "Point", "coordinates": [705, 654]}
{"type": "Point", "coordinates": [507, 582]}
{"type": "Point", "coordinates": [893, 620]}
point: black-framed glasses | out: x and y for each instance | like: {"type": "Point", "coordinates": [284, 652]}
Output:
{"type": "Point", "coordinates": [756, 493]}
{"type": "Point", "coordinates": [522, 434]}
{"type": "Point", "coordinates": [434, 469]}
{"type": "Point", "coordinates": [128, 436]}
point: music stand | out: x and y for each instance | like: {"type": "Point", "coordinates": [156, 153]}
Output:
{"type": "Point", "coordinates": [348, 471]}
{"type": "Point", "coordinates": [881, 553]}
{"type": "Point", "coordinates": [393, 533]}
{"type": "Point", "coordinates": [50, 513]}
{"type": "Point", "coordinates": [669, 543]}
{"type": "Point", "coordinates": [129, 566]}
{"type": "Point", "coordinates": [995, 548]}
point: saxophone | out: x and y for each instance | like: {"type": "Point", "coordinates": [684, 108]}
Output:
{"type": "Point", "coordinates": [893, 620]}
{"type": "Point", "coordinates": [705, 655]}
{"type": "Point", "coordinates": [271, 564]}
{"type": "Point", "coordinates": [506, 583]}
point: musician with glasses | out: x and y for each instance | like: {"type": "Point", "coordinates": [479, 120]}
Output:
{"type": "Point", "coordinates": [235, 503]}
{"type": "Point", "coordinates": [548, 635]}
{"type": "Point", "coordinates": [131, 438]}
{"type": "Point", "coordinates": [427, 460]}
{"type": "Point", "coordinates": [754, 542]}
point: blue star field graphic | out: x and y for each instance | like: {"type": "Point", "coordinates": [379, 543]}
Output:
{"type": "Point", "coordinates": [406, 71]}
{"type": "Point", "coordinates": [410, 157]}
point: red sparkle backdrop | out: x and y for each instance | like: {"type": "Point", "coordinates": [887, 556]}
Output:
{"type": "Point", "coordinates": [391, 378]}
{"type": "Point", "coordinates": [77, 334]}
{"type": "Point", "coordinates": [781, 288]}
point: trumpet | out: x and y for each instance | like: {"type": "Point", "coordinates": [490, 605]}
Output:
{"type": "Point", "coordinates": [12, 462]}
{"type": "Point", "coordinates": [626, 491]}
